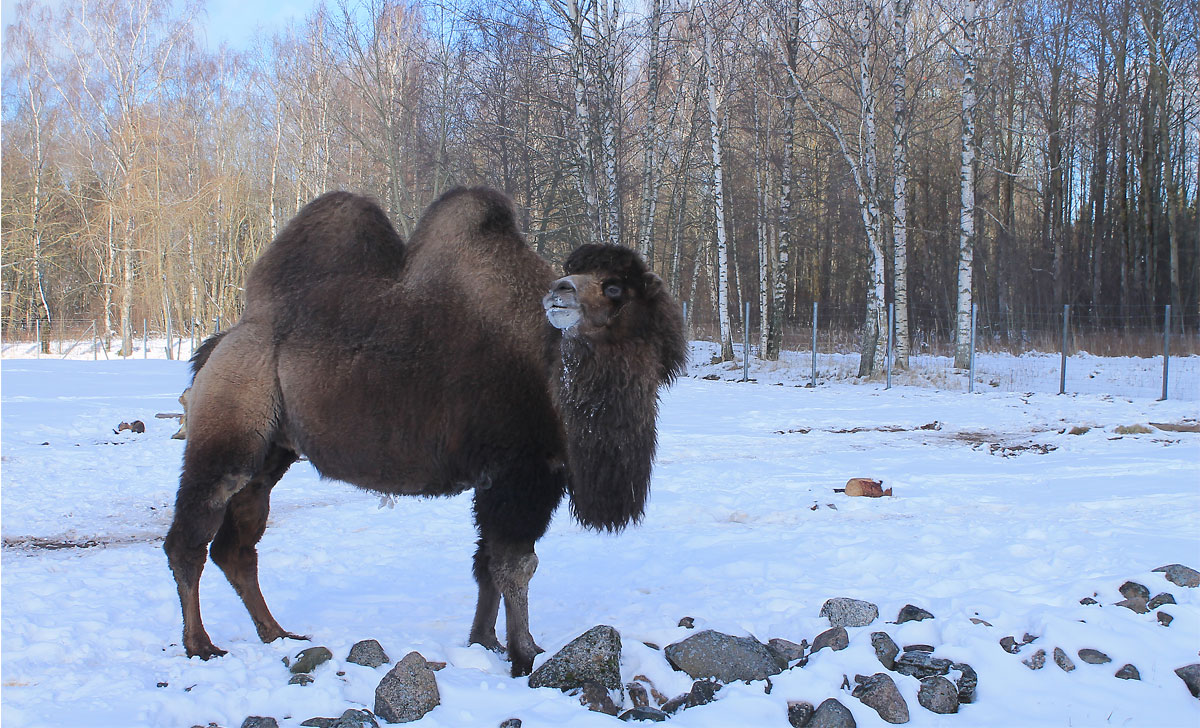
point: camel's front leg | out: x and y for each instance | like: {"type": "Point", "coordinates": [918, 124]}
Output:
{"type": "Point", "coordinates": [483, 629]}
{"type": "Point", "coordinates": [511, 567]}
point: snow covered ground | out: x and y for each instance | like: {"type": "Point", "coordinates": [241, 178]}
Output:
{"type": "Point", "coordinates": [999, 515]}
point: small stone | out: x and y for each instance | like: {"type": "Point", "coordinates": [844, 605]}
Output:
{"type": "Point", "coordinates": [648, 684]}
{"type": "Point", "coordinates": [984, 622]}
{"type": "Point", "coordinates": [1181, 575]}
{"type": "Point", "coordinates": [637, 694]}
{"type": "Point", "coordinates": [368, 653]}
{"type": "Point", "coordinates": [688, 622]}
{"type": "Point", "coordinates": [1134, 604]}
{"type": "Point", "coordinates": [1129, 672]}
{"type": "Point", "coordinates": [847, 612]}
{"type": "Point", "coordinates": [918, 648]}
{"type": "Point", "coordinates": [1190, 675]}
{"type": "Point", "coordinates": [309, 659]}
{"type": "Point", "coordinates": [1160, 599]}
{"type": "Point", "coordinates": [1088, 601]}
{"type": "Point", "coordinates": [1009, 645]}
{"type": "Point", "coordinates": [356, 719]}
{"type": "Point", "coordinates": [511, 723]}
{"type": "Point", "coordinates": [835, 639]}
{"type": "Point", "coordinates": [721, 656]}
{"type": "Point", "coordinates": [651, 714]}
{"type": "Point", "coordinates": [256, 721]}
{"type": "Point", "coordinates": [1132, 430]}
{"type": "Point", "coordinates": [302, 679]}
{"type": "Point", "coordinates": [408, 691]}
{"type": "Point", "coordinates": [598, 699]}
{"type": "Point", "coordinates": [885, 649]}
{"type": "Point", "coordinates": [909, 613]}
{"type": "Point", "coordinates": [594, 656]}
{"type": "Point", "coordinates": [938, 695]}
{"type": "Point", "coordinates": [702, 693]}
{"type": "Point", "coordinates": [1093, 657]}
{"type": "Point", "coordinates": [319, 723]}
{"type": "Point", "coordinates": [1079, 430]}
{"type": "Point", "coordinates": [967, 682]}
{"type": "Point", "coordinates": [1028, 639]}
{"type": "Point", "coordinates": [800, 713]}
{"type": "Point", "coordinates": [785, 652]}
{"type": "Point", "coordinates": [1134, 590]}
{"type": "Point", "coordinates": [879, 692]}
{"type": "Point", "coordinates": [1164, 619]}
{"type": "Point", "coordinates": [832, 714]}
{"type": "Point", "coordinates": [1036, 661]}
{"type": "Point", "coordinates": [1061, 659]}
{"type": "Point", "coordinates": [922, 664]}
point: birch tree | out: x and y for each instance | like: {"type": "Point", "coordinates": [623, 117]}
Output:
{"type": "Point", "coordinates": [966, 214]}
{"type": "Point", "coordinates": [900, 13]}
{"type": "Point", "coordinates": [710, 81]}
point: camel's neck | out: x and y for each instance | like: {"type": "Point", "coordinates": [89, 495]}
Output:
{"type": "Point", "coordinates": [609, 404]}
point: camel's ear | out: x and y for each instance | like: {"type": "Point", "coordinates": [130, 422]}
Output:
{"type": "Point", "coordinates": [654, 285]}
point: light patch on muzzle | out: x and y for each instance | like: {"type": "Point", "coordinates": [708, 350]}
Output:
{"type": "Point", "coordinates": [562, 305]}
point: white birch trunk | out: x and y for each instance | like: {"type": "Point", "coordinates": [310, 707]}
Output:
{"type": "Point", "coordinates": [611, 108]}
{"type": "Point", "coordinates": [718, 197]}
{"type": "Point", "coordinates": [900, 15]}
{"type": "Point", "coordinates": [650, 141]}
{"type": "Point", "coordinates": [874, 344]}
{"type": "Point", "coordinates": [966, 214]}
{"type": "Point", "coordinates": [586, 177]}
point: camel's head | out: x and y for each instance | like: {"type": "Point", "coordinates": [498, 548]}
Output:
{"type": "Point", "coordinates": [605, 291]}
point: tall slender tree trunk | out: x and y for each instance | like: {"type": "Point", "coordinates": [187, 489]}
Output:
{"type": "Point", "coordinates": [586, 177]}
{"type": "Point", "coordinates": [781, 260]}
{"type": "Point", "coordinates": [874, 334]}
{"type": "Point", "coordinates": [718, 198]}
{"type": "Point", "coordinates": [966, 213]}
{"type": "Point", "coordinates": [900, 13]}
{"type": "Point", "coordinates": [650, 140]}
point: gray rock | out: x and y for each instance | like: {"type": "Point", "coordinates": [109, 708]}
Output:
{"type": "Point", "coordinates": [885, 649]}
{"type": "Point", "coordinates": [1190, 675]}
{"type": "Point", "coordinates": [1061, 659]}
{"type": "Point", "coordinates": [369, 653]}
{"type": "Point", "coordinates": [835, 639]}
{"type": "Point", "coordinates": [302, 679]}
{"type": "Point", "coordinates": [638, 695]}
{"type": "Point", "coordinates": [938, 695]}
{"type": "Point", "coordinates": [984, 622]}
{"type": "Point", "coordinates": [309, 659]}
{"type": "Point", "coordinates": [651, 714]}
{"type": "Point", "coordinates": [721, 656]}
{"type": "Point", "coordinates": [687, 622]}
{"type": "Point", "coordinates": [1164, 619]}
{"type": "Point", "coordinates": [967, 681]}
{"type": "Point", "coordinates": [350, 719]}
{"type": "Point", "coordinates": [511, 723]}
{"type": "Point", "coordinates": [702, 693]}
{"type": "Point", "coordinates": [1181, 575]}
{"type": "Point", "coordinates": [800, 713]}
{"type": "Point", "coordinates": [1129, 672]}
{"type": "Point", "coordinates": [921, 665]}
{"type": "Point", "coordinates": [1161, 599]}
{"type": "Point", "coordinates": [597, 699]}
{"type": "Point", "coordinates": [1134, 590]}
{"type": "Point", "coordinates": [408, 691]}
{"type": "Point", "coordinates": [1134, 604]}
{"type": "Point", "coordinates": [909, 613]}
{"type": "Point", "coordinates": [1009, 645]}
{"type": "Point", "coordinates": [592, 657]}
{"type": "Point", "coordinates": [879, 692]}
{"type": "Point", "coordinates": [1088, 601]}
{"type": "Point", "coordinates": [1093, 657]}
{"type": "Point", "coordinates": [1036, 661]}
{"type": "Point", "coordinates": [919, 647]}
{"type": "Point", "coordinates": [832, 714]}
{"type": "Point", "coordinates": [847, 612]}
{"type": "Point", "coordinates": [786, 652]}
{"type": "Point", "coordinates": [256, 721]}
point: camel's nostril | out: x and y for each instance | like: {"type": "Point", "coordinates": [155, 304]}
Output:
{"type": "Point", "coordinates": [564, 285]}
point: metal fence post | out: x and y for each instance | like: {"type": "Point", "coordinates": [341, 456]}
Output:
{"type": "Point", "coordinates": [814, 346]}
{"type": "Point", "coordinates": [169, 333]}
{"type": "Point", "coordinates": [1166, 348]}
{"type": "Point", "coordinates": [37, 327]}
{"type": "Point", "coordinates": [746, 344]}
{"type": "Point", "coordinates": [95, 344]}
{"type": "Point", "coordinates": [145, 344]}
{"type": "Point", "coordinates": [971, 359]}
{"type": "Point", "coordinates": [1062, 371]}
{"type": "Point", "coordinates": [888, 358]}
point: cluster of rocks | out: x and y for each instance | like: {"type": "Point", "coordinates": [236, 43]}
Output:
{"type": "Point", "coordinates": [589, 667]}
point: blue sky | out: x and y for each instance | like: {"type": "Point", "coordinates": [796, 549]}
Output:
{"type": "Point", "coordinates": [232, 21]}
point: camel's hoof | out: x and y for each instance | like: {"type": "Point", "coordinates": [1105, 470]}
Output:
{"type": "Point", "coordinates": [521, 668]}
{"type": "Point", "coordinates": [491, 644]}
{"type": "Point", "coordinates": [206, 651]}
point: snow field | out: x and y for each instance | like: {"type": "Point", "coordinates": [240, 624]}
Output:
{"type": "Point", "coordinates": [730, 538]}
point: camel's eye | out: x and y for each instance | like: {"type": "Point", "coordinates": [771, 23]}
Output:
{"type": "Point", "coordinates": [613, 291]}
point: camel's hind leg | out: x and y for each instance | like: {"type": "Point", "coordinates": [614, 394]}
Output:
{"type": "Point", "coordinates": [234, 547]}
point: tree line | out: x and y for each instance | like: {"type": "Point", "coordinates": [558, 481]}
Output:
{"type": "Point", "coordinates": [938, 155]}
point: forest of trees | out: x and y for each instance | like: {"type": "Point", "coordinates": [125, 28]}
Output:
{"type": "Point", "coordinates": [1014, 155]}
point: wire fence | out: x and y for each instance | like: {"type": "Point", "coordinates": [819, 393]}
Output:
{"type": "Point", "coordinates": [1145, 352]}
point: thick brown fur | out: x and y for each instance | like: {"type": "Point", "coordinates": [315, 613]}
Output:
{"type": "Point", "coordinates": [425, 369]}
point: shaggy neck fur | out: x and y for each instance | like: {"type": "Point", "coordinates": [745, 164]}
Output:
{"type": "Point", "coordinates": [609, 403]}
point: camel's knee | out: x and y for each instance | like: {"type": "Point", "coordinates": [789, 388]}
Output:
{"type": "Point", "coordinates": [513, 572]}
